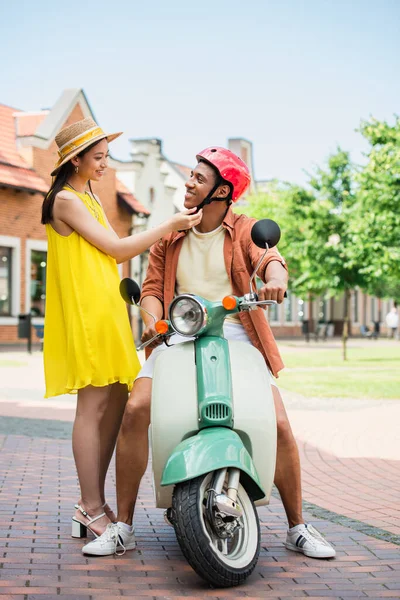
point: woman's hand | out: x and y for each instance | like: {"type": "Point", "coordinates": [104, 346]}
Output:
{"type": "Point", "coordinates": [186, 219]}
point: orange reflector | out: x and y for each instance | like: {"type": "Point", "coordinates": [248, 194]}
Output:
{"type": "Point", "coordinates": [162, 327]}
{"type": "Point", "coordinates": [229, 302]}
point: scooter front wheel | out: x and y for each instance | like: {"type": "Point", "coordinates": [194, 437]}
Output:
{"type": "Point", "coordinates": [222, 561]}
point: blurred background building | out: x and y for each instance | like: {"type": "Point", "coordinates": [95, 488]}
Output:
{"type": "Point", "coordinates": [136, 194]}
{"type": "Point", "coordinates": [28, 153]}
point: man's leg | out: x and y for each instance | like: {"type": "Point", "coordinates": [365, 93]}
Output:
{"type": "Point", "coordinates": [287, 472]}
{"type": "Point", "coordinates": [300, 537]}
{"type": "Point", "coordinates": [133, 448]}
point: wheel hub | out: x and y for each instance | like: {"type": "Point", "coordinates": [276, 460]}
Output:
{"type": "Point", "coordinates": [223, 515]}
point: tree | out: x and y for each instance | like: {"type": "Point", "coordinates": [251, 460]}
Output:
{"type": "Point", "coordinates": [376, 224]}
{"type": "Point", "coordinates": [315, 231]}
{"type": "Point", "coordinates": [288, 205]}
{"type": "Point", "coordinates": [335, 187]}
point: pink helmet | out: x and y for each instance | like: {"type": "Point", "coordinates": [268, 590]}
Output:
{"type": "Point", "coordinates": [231, 168]}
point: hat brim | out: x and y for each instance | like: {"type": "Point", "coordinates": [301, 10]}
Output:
{"type": "Point", "coordinates": [109, 137]}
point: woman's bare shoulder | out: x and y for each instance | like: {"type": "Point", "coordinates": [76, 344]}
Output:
{"type": "Point", "coordinates": [65, 195]}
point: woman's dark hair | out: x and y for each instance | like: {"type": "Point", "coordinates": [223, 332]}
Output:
{"type": "Point", "coordinates": [58, 184]}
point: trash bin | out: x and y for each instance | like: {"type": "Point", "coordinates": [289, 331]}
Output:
{"type": "Point", "coordinates": [24, 326]}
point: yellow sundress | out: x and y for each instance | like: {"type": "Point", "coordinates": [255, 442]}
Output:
{"type": "Point", "coordinates": [87, 334]}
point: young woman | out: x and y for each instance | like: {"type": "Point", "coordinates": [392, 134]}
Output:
{"type": "Point", "coordinates": [88, 344]}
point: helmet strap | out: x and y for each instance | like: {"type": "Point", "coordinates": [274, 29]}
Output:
{"type": "Point", "coordinates": [210, 198]}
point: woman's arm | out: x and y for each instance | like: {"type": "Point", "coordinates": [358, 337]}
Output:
{"type": "Point", "coordinates": [69, 209]}
{"type": "Point", "coordinates": [105, 216]}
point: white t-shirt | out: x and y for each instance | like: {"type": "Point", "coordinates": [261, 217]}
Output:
{"type": "Point", "coordinates": [201, 267]}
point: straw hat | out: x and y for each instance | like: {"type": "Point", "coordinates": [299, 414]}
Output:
{"type": "Point", "coordinates": [76, 137]}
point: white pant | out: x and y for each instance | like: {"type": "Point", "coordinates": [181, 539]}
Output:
{"type": "Point", "coordinates": [232, 331]}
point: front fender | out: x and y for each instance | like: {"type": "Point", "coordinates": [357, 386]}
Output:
{"type": "Point", "coordinates": [212, 449]}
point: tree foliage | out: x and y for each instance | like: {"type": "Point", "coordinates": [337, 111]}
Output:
{"type": "Point", "coordinates": [315, 227]}
{"type": "Point", "coordinates": [343, 230]}
{"type": "Point", "coordinates": [375, 228]}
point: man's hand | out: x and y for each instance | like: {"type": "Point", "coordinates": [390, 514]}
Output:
{"type": "Point", "coordinates": [148, 333]}
{"type": "Point", "coordinates": [273, 290]}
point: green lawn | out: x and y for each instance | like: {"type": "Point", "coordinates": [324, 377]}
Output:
{"type": "Point", "coordinates": [12, 363]}
{"type": "Point", "coordinates": [370, 372]}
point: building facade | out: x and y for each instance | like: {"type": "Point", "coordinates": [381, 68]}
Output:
{"type": "Point", "coordinates": [137, 194]}
{"type": "Point", "coordinates": [28, 153]}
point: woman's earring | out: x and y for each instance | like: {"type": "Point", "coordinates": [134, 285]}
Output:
{"type": "Point", "coordinates": [76, 169]}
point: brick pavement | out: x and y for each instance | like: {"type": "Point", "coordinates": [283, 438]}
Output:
{"type": "Point", "coordinates": [38, 487]}
{"type": "Point", "coordinates": [38, 558]}
{"type": "Point", "coordinates": [350, 455]}
{"type": "Point", "coordinates": [350, 449]}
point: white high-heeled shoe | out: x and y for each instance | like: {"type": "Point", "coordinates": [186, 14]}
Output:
{"type": "Point", "coordinates": [107, 510]}
{"type": "Point", "coordinates": [79, 528]}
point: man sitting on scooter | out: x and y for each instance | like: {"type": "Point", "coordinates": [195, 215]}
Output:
{"type": "Point", "coordinates": [214, 260]}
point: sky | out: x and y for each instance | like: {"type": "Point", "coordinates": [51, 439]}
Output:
{"type": "Point", "coordinates": [294, 77]}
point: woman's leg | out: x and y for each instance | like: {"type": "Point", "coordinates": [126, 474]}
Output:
{"type": "Point", "coordinates": [133, 448]}
{"type": "Point", "coordinates": [109, 429]}
{"type": "Point", "coordinates": [87, 448]}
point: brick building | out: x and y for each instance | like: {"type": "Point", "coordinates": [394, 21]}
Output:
{"type": "Point", "coordinates": [28, 153]}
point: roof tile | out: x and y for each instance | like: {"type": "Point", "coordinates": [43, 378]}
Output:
{"type": "Point", "coordinates": [27, 123]}
{"type": "Point", "coordinates": [130, 199]}
{"type": "Point", "coordinates": [26, 179]}
{"type": "Point", "coordinates": [14, 171]}
{"type": "Point", "coordinates": [184, 171]}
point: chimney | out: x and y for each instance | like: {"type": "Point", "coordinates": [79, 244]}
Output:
{"type": "Point", "coordinates": [244, 149]}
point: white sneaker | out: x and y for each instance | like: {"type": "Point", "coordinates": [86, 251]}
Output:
{"type": "Point", "coordinates": [306, 539]}
{"type": "Point", "coordinates": [117, 539]}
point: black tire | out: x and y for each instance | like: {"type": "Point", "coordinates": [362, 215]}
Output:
{"type": "Point", "coordinates": [197, 543]}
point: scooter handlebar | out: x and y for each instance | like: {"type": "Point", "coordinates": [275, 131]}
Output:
{"type": "Point", "coordinates": [151, 340]}
{"type": "Point", "coordinates": [145, 344]}
{"type": "Point", "coordinates": [253, 304]}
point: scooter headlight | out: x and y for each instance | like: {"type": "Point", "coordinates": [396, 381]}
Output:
{"type": "Point", "coordinates": [187, 315]}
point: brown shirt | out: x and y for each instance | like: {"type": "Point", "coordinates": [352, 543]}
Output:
{"type": "Point", "coordinates": [241, 256]}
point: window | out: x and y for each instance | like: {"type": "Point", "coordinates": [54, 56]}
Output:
{"type": "Point", "coordinates": [38, 282]}
{"type": "Point", "coordinates": [5, 281]}
{"type": "Point", "coordinates": [300, 309]}
{"type": "Point", "coordinates": [288, 307]}
{"type": "Point", "coordinates": [355, 306]}
{"type": "Point", "coordinates": [373, 309]}
{"type": "Point", "coordinates": [322, 309]}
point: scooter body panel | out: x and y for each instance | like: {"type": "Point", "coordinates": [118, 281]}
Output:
{"type": "Point", "coordinates": [254, 411]}
{"type": "Point", "coordinates": [211, 449]}
{"type": "Point", "coordinates": [175, 411]}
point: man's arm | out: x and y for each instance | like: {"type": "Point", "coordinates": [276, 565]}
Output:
{"type": "Point", "coordinates": [153, 284]}
{"type": "Point", "coordinates": [152, 296]}
{"type": "Point", "coordinates": [153, 305]}
{"type": "Point", "coordinates": [273, 271]}
{"type": "Point", "coordinates": [276, 282]}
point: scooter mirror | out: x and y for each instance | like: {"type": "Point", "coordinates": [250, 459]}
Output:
{"type": "Point", "coordinates": [129, 290]}
{"type": "Point", "coordinates": [265, 232]}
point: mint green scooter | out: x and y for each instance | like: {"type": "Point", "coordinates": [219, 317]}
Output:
{"type": "Point", "coordinates": [213, 430]}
